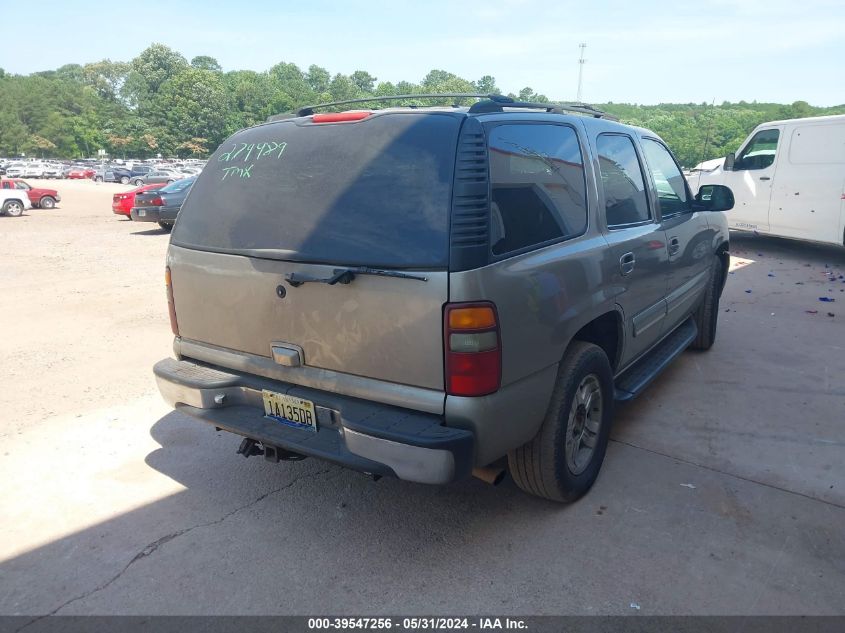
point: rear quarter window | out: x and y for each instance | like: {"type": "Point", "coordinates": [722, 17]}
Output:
{"type": "Point", "coordinates": [538, 186]}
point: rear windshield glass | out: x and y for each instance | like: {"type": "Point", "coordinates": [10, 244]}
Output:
{"type": "Point", "coordinates": [373, 192]}
{"type": "Point", "coordinates": [178, 185]}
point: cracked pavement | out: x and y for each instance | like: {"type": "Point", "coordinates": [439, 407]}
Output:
{"type": "Point", "coordinates": [723, 491]}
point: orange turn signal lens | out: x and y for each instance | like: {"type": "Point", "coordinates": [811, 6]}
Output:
{"type": "Point", "coordinates": [471, 318]}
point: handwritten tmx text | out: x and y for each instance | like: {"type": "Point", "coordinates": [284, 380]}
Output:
{"type": "Point", "coordinates": [242, 152]}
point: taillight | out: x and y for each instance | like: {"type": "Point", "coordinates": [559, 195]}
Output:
{"type": "Point", "coordinates": [171, 306]}
{"type": "Point", "coordinates": [473, 349]}
{"type": "Point", "coordinates": [157, 202]}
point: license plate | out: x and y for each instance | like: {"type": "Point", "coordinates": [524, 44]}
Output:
{"type": "Point", "coordinates": [142, 213]}
{"type": "Point", "coordinates": [290, 410]}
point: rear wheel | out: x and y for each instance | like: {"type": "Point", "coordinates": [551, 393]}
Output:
{"type": "Point", "coordinates": [47, 202]}
{"type": "Point", "coordinates": [167, 226]}
{"type": "Point", "coordinates": [707, 315]}
{"type": "Point", "coordinates": [563, 460]}
{"type": "Point", "coordinates": [124, 180]}
{"type": "Point", "coordinates": [13, 208]}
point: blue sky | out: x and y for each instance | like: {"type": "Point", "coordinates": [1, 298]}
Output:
{"type": "Point", "coordinates": [637, 52]}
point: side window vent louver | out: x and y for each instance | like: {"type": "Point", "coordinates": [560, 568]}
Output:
{"type": "Point", "coordinates": [469, 235]}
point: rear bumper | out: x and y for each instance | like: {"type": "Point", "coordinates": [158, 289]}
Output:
{"type": "Point", "coordinates": [364, 436]}
{"type": "Point", "coordinates": [154, 214]}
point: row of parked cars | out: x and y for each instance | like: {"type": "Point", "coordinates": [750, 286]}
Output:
{"type": "Point", "coordinates": [153, 202]}
{"type": "Point", "coordinates": [139, 174]}
{"type": "Point", "coordinates": [136, 173]}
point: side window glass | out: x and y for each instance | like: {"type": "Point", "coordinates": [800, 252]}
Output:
{"type": "Point", "coordinates": [760, 152]}
{"type": "Point", "coordinates": [668, 179]}
{"type": "Point", "coordinates": [622, 181]}
{"type": "Point", "coordinates": [7, 185]}
{"type": "Point", "coordinates": [538, 187]}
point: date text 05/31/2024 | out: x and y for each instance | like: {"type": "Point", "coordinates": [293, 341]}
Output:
{"type": "Point", "coordinates": [417, 624]}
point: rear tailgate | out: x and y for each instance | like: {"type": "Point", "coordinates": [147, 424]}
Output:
{"type": "Point", "coordinates": [294, 197]}
{"type": "Point", "coordinates": [376, 327]}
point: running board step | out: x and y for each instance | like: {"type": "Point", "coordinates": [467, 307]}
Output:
{"type": "Point", "coordinates": [632, 383]}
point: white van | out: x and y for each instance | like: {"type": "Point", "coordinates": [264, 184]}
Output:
{"type": "Point", "coordinates": [788, 179]}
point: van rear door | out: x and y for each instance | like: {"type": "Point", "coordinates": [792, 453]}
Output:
{"type": "Point", "coordinates": [262, 248]}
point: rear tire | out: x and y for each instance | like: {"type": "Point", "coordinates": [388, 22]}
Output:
{"type": "Point", "coordinates": [124, 180]}
{"type": "Point", "coordinates": [13, 208]}
{"type": "Point", "coordinates": [47, 202]}
{"type": "Point", "coordinates": [563, 460]}
{"type": "Point", "coordinates": [707, 315]}
{"type": "Point", "coordinates": [167, 226]}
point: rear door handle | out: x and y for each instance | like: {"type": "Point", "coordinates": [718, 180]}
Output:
{"type": "Point", "coordinates": [674, 245]}
{"type": "Point", "coordinates": [764, 178]}
{"type": "Point", "coordinates": [626, 263]}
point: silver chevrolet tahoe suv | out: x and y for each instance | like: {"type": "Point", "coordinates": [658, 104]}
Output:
{"type": "Point", "coordinates": [430, 292]}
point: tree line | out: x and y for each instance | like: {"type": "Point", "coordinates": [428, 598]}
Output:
{"type": "Point", "coordinates": [161, 103]}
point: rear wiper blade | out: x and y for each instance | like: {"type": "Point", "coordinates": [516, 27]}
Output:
{"type": "Point", "coordinates": [346, 275]}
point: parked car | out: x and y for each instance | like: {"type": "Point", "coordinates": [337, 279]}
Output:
{"type": "Point", "coordinates": [788, 178]}
{"type": "Point", "coordinates": [13, 202]}
{"type": "Point", "coordinates": [34, 170]}
{"type": "Point", "coordinates": [113, 173]}
{"type": "Point", "coordinates": [122, 203]}
{"type": "Point", "coordinates": [38, 196]}
{"type": "Point", "coordinates": [163, 205]}
{"type": "Point", "coordinates": [15, 170]}
{"type": "Point", "coordinates": [80, 172]}
{"type": "Point", "coordinates": [480, 284]}
{"type": "Point", "coordinates": [53, 171]}
{"type": "Point", "coordinates": [159, 175]}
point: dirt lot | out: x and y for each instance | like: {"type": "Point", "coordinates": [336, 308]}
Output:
{"type": "Point", "coordinates": [723, 491]}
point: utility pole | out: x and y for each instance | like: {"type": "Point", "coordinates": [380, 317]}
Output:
{"type": "Point", "coordinates": [581, 62]}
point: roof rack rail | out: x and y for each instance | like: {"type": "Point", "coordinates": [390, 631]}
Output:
{"type": "Point", "coordinates": [308, 110]}
{"type": "Point", "coordinates": [500, 103]}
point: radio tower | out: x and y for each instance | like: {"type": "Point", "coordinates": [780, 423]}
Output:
{"type": "Point", "coordinates": [581, 62]}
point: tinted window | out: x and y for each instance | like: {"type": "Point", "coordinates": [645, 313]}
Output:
{"type": "Point", "coordinates": [622, 181]}
{"type": "Point", "coordinates": [538, 186]}
{"type": "Point", "coordinates": [668, 179]}
{"type": "Point", "coordinates": [760, 152]}
{"type": "Point", "coordinates": [373, 192]}
{"type": "Point", "coordinates": [178, 185]}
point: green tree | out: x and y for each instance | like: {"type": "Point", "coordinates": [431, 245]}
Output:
{"type": "Point", "coordinates": [364, 81]}
{"type": "Point", "coordinates": [205, 62]}
{"type": "Point", "coordinates": [149, 71]}
{"type": "Point", "coordinates": [487, 85]}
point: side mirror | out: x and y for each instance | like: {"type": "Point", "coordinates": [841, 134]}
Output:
{"type": "Point", "coordinates": [730, 159]}
{"type": "Point", "coordinates": [714, 198]}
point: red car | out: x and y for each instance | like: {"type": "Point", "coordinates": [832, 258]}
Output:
{"type": "Point", "coordinates": [80, 173]}
{"type": "Point", "coordinates": [44, 198]}
{"type": "Point", "coordinates": [122, 203]}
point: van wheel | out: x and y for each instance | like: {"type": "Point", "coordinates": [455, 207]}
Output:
{"type": "Point", "coordinates": [707, 315]}
{"type": "Point", "coordinates": [563, 460]}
